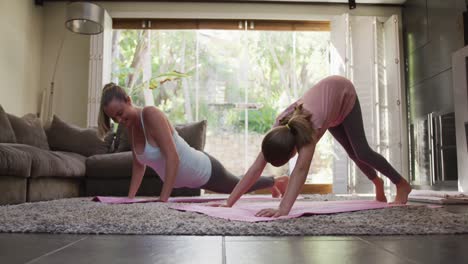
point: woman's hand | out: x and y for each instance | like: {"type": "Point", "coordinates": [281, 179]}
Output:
{"type": "Point", "coordinates": [270, 212]}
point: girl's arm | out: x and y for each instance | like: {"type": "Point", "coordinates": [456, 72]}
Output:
{"type": "Point", "coordinates": [138, 170]}
{"type": "Point", "coordinates": [252, 175]}
{"type": "Point", "coordinates": [160, 130]}
{"type": "Point", "coordinates": [297, 180]}
{"type": "Point", "coordinates": [256, 169]}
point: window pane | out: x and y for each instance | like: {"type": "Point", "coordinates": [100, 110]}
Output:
{"type": "Point", "coordinates": [237, 80]}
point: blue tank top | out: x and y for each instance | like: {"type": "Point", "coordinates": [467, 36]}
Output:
{"type": "Point", "coordinates": [194, 167]}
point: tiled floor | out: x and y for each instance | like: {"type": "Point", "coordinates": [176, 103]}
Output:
{"type": "Point", "coordinates": [47, 248]}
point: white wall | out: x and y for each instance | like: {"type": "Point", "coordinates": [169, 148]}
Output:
{"type": "Point", "coordinates": [460, 95]}
{"type": "Point", "coordinates": [241, 11]}
{"type": "Point", "coordinates": [71, 78]}
{"type": "Point", "coordinates": [20, 56]}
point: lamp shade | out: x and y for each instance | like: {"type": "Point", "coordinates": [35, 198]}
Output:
{"type": "Point", "coordinates": [85, 18]}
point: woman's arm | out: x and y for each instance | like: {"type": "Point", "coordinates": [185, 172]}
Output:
{"type": "Point", "coordinates": [252, 175]}
{"type": "Point", "coordinates": [160, 130]}
{"type": "Point", "coordinates": [297, 180]}
{"type": "Point", "coordinates": [138, 170]}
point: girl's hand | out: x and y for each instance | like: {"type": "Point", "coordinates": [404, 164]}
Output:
{"type": "Point", "coordinates": [270, 212]}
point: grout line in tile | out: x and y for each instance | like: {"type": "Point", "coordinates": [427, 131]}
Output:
{"type": "Point", "coordinates": [293, 238]}
{"type": "Point", "coordinates": [55, 251]}
{"type": "Point", "coordinates": [223, 248]}
{"type": "Point", "coordinates": [389, 251]}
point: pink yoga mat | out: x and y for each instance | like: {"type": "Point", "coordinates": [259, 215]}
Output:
{"type": "Point", "coordinates": [246, 210]}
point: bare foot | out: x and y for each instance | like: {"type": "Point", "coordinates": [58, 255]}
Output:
{"type": "Point", "coordinates": [275, 193]}
{"type": "Point", "coordinates": [403, 190]}
{"type": "Point", "coordinates": [379, 190]}
{"type": "Point", "coordinates": [281, 183]}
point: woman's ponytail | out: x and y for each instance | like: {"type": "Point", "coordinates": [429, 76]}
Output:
{"type": "Point", "coordinates": [109, 92]}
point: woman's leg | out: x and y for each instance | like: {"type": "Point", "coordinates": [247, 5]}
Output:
{"type": "Point", "coordinates": [354, 128]}
{"type": "Point", "coordinates": [339, 134]}
{"type": "Point", "coordinates": [222, 181]}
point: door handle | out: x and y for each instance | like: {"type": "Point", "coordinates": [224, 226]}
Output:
{"type": "Point", "coordinates": [430, 132]}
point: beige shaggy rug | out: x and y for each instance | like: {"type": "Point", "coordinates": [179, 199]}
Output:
{"type": "Point", "coordinates": [83, 216]}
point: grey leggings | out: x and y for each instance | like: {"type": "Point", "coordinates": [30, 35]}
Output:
{"type": "Point", "coordinates": [222, 181]}
{"type": "Point", "coordinates": [352, 137]}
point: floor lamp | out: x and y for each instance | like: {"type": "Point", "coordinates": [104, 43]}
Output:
{"type": "Point", "coordinates": [82, 18]}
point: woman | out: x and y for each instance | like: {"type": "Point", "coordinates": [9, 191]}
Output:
{"type": "Point", "coordinates": [155, 143]}
{"type": "Point", "coordinates": [332, 105]}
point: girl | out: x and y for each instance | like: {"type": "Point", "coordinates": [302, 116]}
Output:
{"type": "Point", "coordinates": [331, 104]}
{"type": "Point", "coordinates": [155, 143]}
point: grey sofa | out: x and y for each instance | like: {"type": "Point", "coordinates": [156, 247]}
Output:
{"type": "Point", "coordinates": [62, 161]}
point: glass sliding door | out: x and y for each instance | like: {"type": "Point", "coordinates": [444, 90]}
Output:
{"type": "Point", "coordinates": [284, 64]}
{"type": "Point", "coordinates": [237, 76]}
{"type": "Point", "coordinates": [222, 79]}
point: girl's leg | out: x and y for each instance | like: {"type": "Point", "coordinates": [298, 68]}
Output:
{"type": "Point", "coordinates": [222, 181]}
{"type": "Point", "coordinates": [339, 134]}
{"type": "Point", "coordinates": [354, 128]}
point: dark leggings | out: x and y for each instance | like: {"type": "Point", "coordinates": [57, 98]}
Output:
{"type": "Point", "coordinates": [222, 181]}
{"type": "Point", "coordinates": [352, 137]}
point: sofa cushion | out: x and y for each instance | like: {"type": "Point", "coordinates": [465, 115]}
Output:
{"type": "Point", "coordinates": [109, 140]}
{"type": "Point", "coordinates": [28, 130]}
{"type": "Point", "coordinates": [7, 135]}
{"type": "Point", "coordinates": [70, 138]}
{"type": "Point", "coordinates": [122, 141]}
{"type": "Point", "coordinates": [193, 133]}
{"type": "Point", "coordinates": [46, 163]}
{"type": "Point", "coordinates": [14, 161]}
{"type": "Point", "coordinates": [115, 165]}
